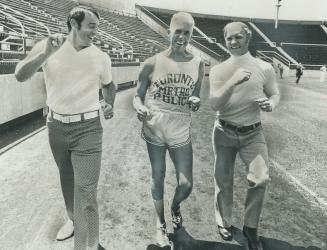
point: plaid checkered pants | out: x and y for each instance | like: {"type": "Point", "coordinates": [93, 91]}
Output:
{"type": "Point", "coordinates": [76, 148]}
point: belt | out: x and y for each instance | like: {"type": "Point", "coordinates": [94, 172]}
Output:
{"type": "Point", "coordinates": [242, 129]}
{"type": "Point", "coordinates": [75, 117]}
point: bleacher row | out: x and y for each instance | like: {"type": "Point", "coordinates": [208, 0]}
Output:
{"type": "Point", "coordinates": [124, 37]}
{"type": "Point", "coordinates": [305, 43]}
{"type": "Point", "coordinates": [127, 39]}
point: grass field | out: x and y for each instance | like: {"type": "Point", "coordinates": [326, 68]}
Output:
{"type": "Point", "coordinates": [32, 206]}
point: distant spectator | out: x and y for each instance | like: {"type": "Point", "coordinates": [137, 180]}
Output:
{"type": "Point", "coordinates": [299, 72]}
{"type": "Point", "coordinates": [323, 70]}
{"type": "Point", "coordinates": [281, 70]}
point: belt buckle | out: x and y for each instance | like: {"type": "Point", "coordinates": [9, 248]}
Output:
{"type": "Point", "coordinates": [238, 129]}
{"type": "Point", "coordinates": [65, 119]}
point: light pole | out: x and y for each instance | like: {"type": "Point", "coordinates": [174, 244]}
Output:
{"type": "Point", "coordinates": [278, 5]}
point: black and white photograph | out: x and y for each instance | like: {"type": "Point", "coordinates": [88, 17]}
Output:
{"type": "Point", "coordinates": [175, 125]}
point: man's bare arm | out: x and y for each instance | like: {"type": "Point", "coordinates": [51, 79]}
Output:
{"type": "Point", "coordinates": [38, 55]}
{"type": "Point", "coordinates": [109, 93]}
{"type": "Point", "coordinates": [144, 80]}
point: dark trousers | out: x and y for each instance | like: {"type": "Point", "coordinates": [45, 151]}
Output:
{"type": "Point", "coordinates": [252, 149]}
{"type": "Point", "coordinates": [76, 148]}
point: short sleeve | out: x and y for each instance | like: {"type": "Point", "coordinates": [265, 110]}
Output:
{"type": "Point", "coordinates": [106, 76]}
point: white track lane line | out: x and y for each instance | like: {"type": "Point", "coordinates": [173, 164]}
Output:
{"type": "Point", "coordinates": [15, 143]}
{"type": "Point", "coordinates": [307, 192]}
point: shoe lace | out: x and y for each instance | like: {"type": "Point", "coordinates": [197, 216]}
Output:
{"type": "Point", "coordinates": [177, 216]}
{"type": "Point", "coordinates": [163, 229]}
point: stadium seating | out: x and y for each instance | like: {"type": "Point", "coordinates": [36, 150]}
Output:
{"type": "Point", "coordinates": [127, 39]}
{"type": "Point", "coordinates": [198, 40]}
{"type": "Point", "coordinates": [307, 54]}
{"type": "Point", "coordinates": [124, 37]}
{"type": "Point", "coordinates": [213, 28]}
{"type": "Point", "coordinates": [293, 33]}
{"type": "Point", "coordinates": [304, 42]}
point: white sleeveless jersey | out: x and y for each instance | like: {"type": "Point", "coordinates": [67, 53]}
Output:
{"type": "Point", "coordinates": [172, 83]}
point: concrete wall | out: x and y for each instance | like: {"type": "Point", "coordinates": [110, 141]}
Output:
{"type": "Point", "coordinates": [18, 99]}
{"type": "Point", "coordinates": [125, 74]}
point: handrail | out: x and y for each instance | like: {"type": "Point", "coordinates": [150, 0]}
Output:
{"type": "Point", "coordinates": [275, 53]}
{"type": "Point", "coordinates": [10, 52]}
{"type": "Point", "coordinates": [11, 30]}
{"type": "Point", "coordinates": [121, 42]}
{"type": "Point", "coordinates": [206, 49]}
{"type": "Point", "coordinates": [197, 44]}
{"type": "Point", "coordinates": [115, 39]}
{"type": "Point", "coordinates": [153, 16]}
{"type": "Point", "coordinates": [11, 43]}
{"type": "Point", "coordinates": [223, 48]}
{"type": "Point", "coordinates": [110, 37]}
{"type": "Point", "coordinates": [27, 17]}
{"type": "Point", "coordinates": [281, 58]}
{"type": "Point", "coordinates": [14, 18]}
{"type": "Point", "coordinates": [263, 55]}
{"type": "Point", "coordinates": [210, 39]}
{"type": "Point", "coordinates": [305, 44]}
{"type": "Point", "coordinates": [157, 43]}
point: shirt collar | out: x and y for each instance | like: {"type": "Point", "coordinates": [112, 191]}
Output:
{"type": "Point", "coordinates": [244, 57]}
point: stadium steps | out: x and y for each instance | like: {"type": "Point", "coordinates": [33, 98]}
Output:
{"type": "Point", "coordinates": [303, 42]}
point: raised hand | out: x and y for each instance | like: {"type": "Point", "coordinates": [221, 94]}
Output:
{"type": "Point", "coordinates": [54, 42]}
{"type": "Point", "coordinates": [240, 76]}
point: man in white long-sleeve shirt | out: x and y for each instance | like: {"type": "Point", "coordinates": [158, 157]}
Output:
{"type": "Point", "coordinates": [240, 88]}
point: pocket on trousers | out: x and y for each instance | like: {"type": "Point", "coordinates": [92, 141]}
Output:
{"type": "Point", "coordinates": [223, 138]}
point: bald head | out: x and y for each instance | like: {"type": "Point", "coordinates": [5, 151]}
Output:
{"type": "Point", "coordinates": [181, 18]}
{"type": "Point", "coordinates": [237, 37]}
{"type": "Point", "coordinates": [237, 26]}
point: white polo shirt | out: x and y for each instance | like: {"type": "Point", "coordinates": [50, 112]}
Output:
{"type": "Point", "coordinates": [73, 78]}
{"type": "Point", "coordinates": [241, 107]}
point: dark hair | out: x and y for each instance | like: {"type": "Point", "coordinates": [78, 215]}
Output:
{"type": "Point", "coordinates": [78, 14]}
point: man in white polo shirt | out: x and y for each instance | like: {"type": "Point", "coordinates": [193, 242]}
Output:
{"type": "Point", "coordinates": [74, 70]}
{"type": "Point", "coordinates": [240, 88]}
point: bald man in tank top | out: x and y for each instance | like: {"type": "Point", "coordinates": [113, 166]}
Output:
{"type": "Point", "coordinates": [169, 90]}
{"type": "Point", "coordinates": [240, 88]}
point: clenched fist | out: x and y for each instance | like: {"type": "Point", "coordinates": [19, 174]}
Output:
{"type": "Point", "coordinates": [108, 110]}
{"type": "Point", "coordinates": [240, 76]}
{"type": "Point", "coordinates": [142, 112]}
{"type": "Point", "coordinates": [53, 43]}
{"type": "Point", "coordinates": [265, 104]}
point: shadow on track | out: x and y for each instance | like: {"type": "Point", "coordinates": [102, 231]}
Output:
{"type": "Point", "coordinates": [184, 241]}
{"type": "Point", "coordinates": [273, 244]}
